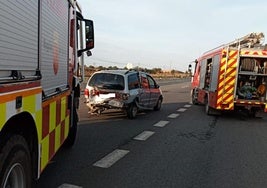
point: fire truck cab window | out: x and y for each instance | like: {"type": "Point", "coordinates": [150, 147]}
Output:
{"type": "Point", "coordinates": [215, 72]}
{"type": "Point", "coordinates": [208, 73]}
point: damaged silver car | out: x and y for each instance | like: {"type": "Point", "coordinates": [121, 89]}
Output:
{"type": "Point", "coordinates": [127, 90]}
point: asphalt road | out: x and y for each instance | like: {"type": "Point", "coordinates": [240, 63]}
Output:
{"type": "Point", "coordinates": [178, 146]}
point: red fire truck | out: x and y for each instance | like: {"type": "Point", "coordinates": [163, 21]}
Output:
{"type": "Point", "coordinates": [41, 55]}
{"type": "Point", "coordinates": [232, 76]}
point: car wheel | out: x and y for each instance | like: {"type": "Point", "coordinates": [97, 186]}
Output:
{"type": "Point", "coordinates": [132, 111]}
{"type": "Point", "coordinates": [158, 105]}
{"type": "Point", "coordinates": [15, 164]}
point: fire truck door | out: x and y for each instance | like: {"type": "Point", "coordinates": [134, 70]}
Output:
{"type": "Point", "coordinates": [215, 72]}
{"type": "Point", "coordinates": [203, 69]}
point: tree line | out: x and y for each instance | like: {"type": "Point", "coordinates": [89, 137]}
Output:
{"type": "Point", "coordinates": [91, 69]}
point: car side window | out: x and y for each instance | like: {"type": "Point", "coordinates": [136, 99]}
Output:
{"type": "Point", "coordinates": [144, 81]}
{"type": "Point", "coordinates": [133, 81]}
{"type": "Point", "coordinates": [151, 81]}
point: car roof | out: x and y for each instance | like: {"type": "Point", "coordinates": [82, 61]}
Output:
{"type": "Point", "coordinates": [119, 71]}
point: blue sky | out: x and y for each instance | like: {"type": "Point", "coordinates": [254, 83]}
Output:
{"type": "Point", "coordinates": [167, 34]}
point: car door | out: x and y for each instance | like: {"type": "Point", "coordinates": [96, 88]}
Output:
{"type": "Point", "coordinates": [144, 99]}
{"type": "Point", "coordinates": [154, 92]}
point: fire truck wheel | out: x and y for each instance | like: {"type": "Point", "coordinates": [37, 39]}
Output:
{"type": "Point", "coordinates": [72, 132]}
{"type": "Point", "coordinates": [253, 113]}
{"type": "Point", "coordinates": [207, 107]}
{"type": "Point", "coordinates": [132, 111]}
{"type": "Point", "coordinates": [194, 98]}
{"type": "Point", "coordinates": [15, 163]}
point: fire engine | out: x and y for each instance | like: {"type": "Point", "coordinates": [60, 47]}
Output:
{"type": "Point", "coordinates": [41, 67]}
{"type": "Point", "coordinates": [232, 77]}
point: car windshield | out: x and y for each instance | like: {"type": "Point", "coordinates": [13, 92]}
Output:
{"type": "Point", "coordinates": [107, 81]}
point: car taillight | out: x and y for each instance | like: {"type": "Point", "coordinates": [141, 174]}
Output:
{"type": "Point", "coordinates": [94, 92]}
{"type": "Point", "coordinates": [86, 93]}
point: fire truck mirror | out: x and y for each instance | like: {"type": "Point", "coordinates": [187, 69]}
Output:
{"type": "Point", "coordinates": [89, 53]}
{"type": "Point", "coordinates": [89, 34]}
{"type": "Point", "coordinates": [189, 67]}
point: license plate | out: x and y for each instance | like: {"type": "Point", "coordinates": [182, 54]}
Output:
{"type": "Point", "coordinates": [106, 96]}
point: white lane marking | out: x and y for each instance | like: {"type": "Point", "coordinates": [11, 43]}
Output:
{"type": "Point", "coordinates": [161, 123]}
{"type": "Point", "coordinates": [173, 115]}
{"type": "Point", "coordinates": [144, 135]}
{"type": "Point", "coordinates": [187, 106]}
{"type": "Point", "coordinates": [68, 186]}
{"type": "Point", "coordinates": [181, 109]}
{"type": "Point", "coordinates": [111, 158]}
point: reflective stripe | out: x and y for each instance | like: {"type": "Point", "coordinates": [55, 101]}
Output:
{"type": "Point", "coordinates": [30, 102]}
{"type": "Point", "coordinates": [55, 127]}
{"type": "Point", "coordinates": [11, 96]}
{"type": "Point", "coordinates": [227, 82]}
{"type": "Point", "coordinates": [51, 118]}
{"type": "Point", "coordinates": [3, 114]}
{"type": "Point", "coordinates": [253, 52]}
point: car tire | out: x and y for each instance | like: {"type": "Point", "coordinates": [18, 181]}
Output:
{"type": "Point", "coordinates": [132, 111]}
{"type": "Point", "coordinates": [15, 163]}
{"type": "Point", "coordinates": [158, 105]}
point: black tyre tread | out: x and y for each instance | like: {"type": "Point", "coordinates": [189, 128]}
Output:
{"type": "Point", "coordinates": [194, 100]}
{"type": "Point", "coordinates": [14, 149]}
{"type": "Point", "coordinates": [130, 114]}
{"type": "Point", "coordinates": [157, 107]}
{"type": "Point", "coordinates": [70, 141]}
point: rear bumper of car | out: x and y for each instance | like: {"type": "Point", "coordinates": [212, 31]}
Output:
{"type": "Point", "coordinates": [109, 104]}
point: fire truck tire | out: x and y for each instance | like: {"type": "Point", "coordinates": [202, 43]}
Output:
{"type": "Point", "coordinates": [207, 107]}
{"type": "Point", "coordinates": [253, 113]}
{"type": "Point", "coordinates": [132, 111]}
{"type": "Point", "coordinates": [72, 132]}
{"type": "Point", "coordinates": [209, 110]}
{"type": "Point", "coordinates": [15, 163]}
{"type": "Point", "coordinates": [194, 98]}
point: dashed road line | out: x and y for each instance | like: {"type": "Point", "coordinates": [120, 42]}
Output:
{"type": "Point", "coordinates": [184, 86]}
{"type": "Point", "coordinates": [161, 124]}
{"type": "Point", "coordinates": [181, 110]}
{"type": "Point", "coordinates": [187, 106]}
{"type": "Point", "coordinates": [111, 158]}
{"type": "Point", "coordinates": [144, 135]}
{"type": "Point", "coordinates": [173, 116]}
{"type": "Point", "coordinates": [68, 186]}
